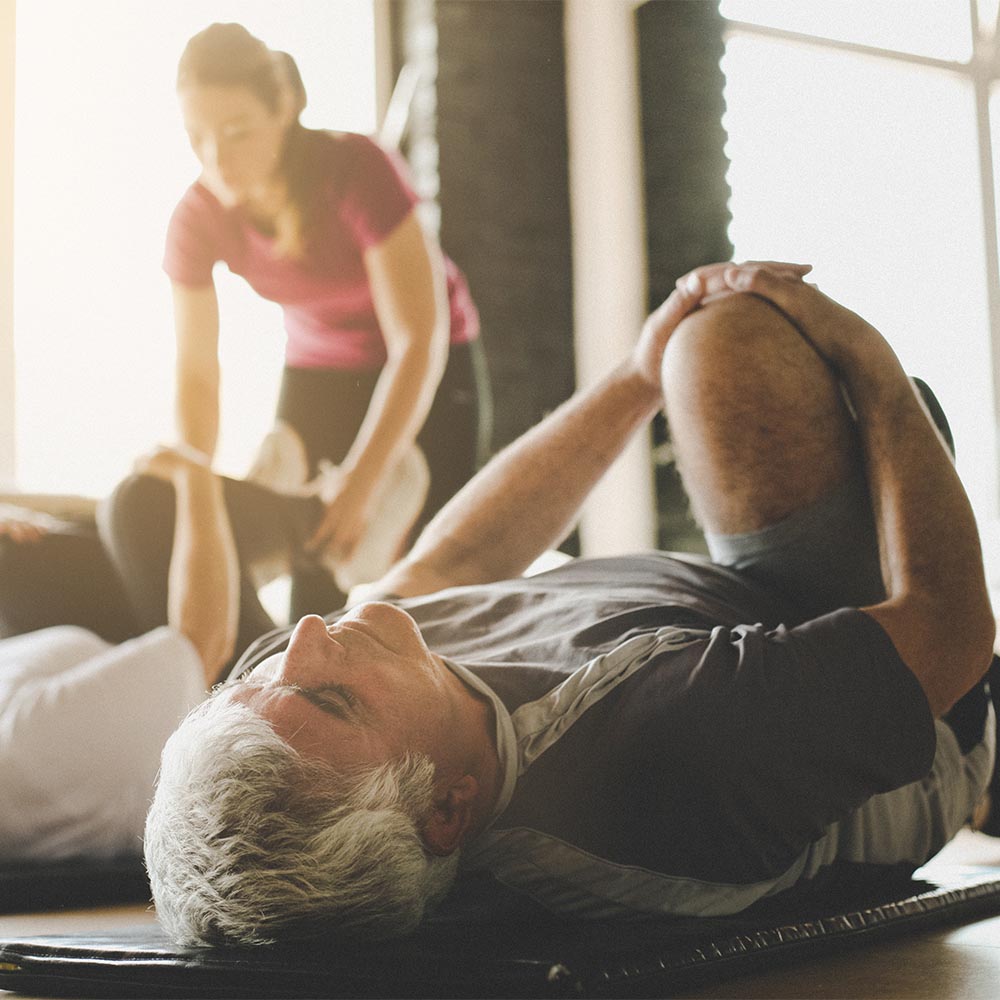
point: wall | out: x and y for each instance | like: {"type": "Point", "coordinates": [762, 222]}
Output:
{"type": "Point", "coordinates": [6, 243]}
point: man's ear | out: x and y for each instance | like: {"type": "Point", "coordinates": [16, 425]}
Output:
{"type": "Point", "coordinates": [451, 816]}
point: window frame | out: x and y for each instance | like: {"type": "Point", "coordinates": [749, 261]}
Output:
{"type": "Point", "coordinates": [982, 69]}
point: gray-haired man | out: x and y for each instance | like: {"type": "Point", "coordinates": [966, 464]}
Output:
{"type": "Point", "coordinates": [645, 733]}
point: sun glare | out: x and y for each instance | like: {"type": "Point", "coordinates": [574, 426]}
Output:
{"type": "Point", "coordinates": [867, 167]}
{"type": "Point", "coordinates": [100, 161]}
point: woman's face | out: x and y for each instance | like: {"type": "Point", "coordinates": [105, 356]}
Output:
{"type": "Point", "coordinates": [237, 138]}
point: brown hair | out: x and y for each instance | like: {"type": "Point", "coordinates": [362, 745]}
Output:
{"type": "Point", "coordinates": [227, 55]}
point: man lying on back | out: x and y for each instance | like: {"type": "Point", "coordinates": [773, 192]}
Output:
{"type": "Point", "coordinates": [648, 733]}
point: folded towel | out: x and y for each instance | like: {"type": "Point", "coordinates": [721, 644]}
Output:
{"type": "Point", "coordinates": [281, 465]}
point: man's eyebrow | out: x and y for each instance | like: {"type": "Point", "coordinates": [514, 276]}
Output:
{"type": "Point", "coordinates": [336, 709]}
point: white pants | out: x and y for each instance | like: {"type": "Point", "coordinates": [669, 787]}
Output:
{"type": "Point", "coordinates": [82, 723]}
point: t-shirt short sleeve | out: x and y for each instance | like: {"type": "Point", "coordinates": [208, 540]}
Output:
{"type": "Point", "coordinates": [193, 238]}
{"type": "Point", "coordinates": [376, 194]}
{"type": "Point", "coordinates": [817, 718]}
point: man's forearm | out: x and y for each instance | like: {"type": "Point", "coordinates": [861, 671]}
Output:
{"type": "Point", "coordinates": [930, 549]}
{"type": "Point", "coordinates": [526, 499]}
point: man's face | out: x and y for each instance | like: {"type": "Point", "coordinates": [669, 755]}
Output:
{"type": "Point", "coordinates": [361, 691]}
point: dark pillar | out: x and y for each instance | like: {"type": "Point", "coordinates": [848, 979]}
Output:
{"type": "Point", "coordinates": [687, 195]}
{"type": "Point", "coordinates": [503, 190]}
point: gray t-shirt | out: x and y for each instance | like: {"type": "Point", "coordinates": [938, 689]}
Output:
{"type": "Point", "coordinates": [682, 741]}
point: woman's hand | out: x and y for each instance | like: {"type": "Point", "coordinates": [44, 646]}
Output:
{"type": "Point", "coordinates": [693, 289]}
{"type": "Point", "coordinates": [348, 514]}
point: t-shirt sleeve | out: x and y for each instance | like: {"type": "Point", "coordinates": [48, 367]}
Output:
{"type": "Point", "coordinates": [816, 719]}
{"type": "Point", "coordinates": [376, 195]}
{"type": "Point", "coordinates": [193, 241]}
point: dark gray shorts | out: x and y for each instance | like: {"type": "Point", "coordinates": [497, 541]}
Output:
{"type": "Point", "coordinates": [823, 557]}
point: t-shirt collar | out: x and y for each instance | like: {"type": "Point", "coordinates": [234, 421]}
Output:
{"type": "Point", "coordinates": [505, 736]}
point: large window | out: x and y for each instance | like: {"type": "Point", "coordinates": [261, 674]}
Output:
{"type": "Point", "coordinates": [100, 160]}
{"type": "Point", "coordinates": [860, 141]}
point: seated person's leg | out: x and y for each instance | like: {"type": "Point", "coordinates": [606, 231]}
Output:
{"type": "Point", "coordinates": [768, 453]}
{"type": "Point", "coordinates": [137, 523]}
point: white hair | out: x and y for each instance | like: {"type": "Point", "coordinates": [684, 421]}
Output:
{"type": "Point", "coordinates": [247, 842]}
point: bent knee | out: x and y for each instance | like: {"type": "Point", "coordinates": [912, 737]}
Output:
{"type": "Point", "coordinates": [730, 332]}
{"type": "Point", "coordinates": [742, 345]}
{"type": "Point", "coordinates": [136, 497]}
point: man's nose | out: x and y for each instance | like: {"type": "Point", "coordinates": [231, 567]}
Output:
{"type": "Point", "coordinates": [309, 649]}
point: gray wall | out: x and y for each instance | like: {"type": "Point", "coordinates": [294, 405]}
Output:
{"type": "Point", "coordinates": [686, 192]}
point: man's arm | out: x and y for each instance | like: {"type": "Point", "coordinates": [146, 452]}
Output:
{"type": "Point", "coordinates": [937, 609]}
{"type": "Point", "coordinates": [526, 499]}
{"type": "Point", "coordinates": [203, 582]}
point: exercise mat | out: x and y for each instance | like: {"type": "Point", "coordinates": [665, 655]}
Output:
{"type": "Point", "coordinates": [487, 943]}
{"type": "Point", "coordinates": [73, 883]}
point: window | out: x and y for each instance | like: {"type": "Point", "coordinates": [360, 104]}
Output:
{"type": "Point", "coordinates": [859, 141]}
{"type": "Point", "coordinates": [100, 161]}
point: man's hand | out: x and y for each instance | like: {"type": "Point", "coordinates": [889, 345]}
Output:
{"type": "Point", "coordinates": [691, 291]}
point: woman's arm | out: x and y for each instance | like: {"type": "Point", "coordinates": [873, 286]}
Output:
{"type": "Point", "coordinates": [196, 324]}
{"type": "Point", "coordinates": [406, 275]}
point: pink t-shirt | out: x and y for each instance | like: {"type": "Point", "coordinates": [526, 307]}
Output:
{"type": "Point", "coordinates": [329, 315]}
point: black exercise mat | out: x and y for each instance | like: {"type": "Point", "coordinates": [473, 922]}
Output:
{"type": "Point", "coordinates": [71, 884]}
{"type": "Point", "coordinates": [519, 952]}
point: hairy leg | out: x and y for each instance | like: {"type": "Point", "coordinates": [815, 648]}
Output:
{"type": "Point", "coordinates": [758, 423]}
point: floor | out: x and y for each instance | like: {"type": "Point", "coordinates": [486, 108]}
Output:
{"type": "Point", "coordinates": [951, 963]}
{"type": "Point", "coordinates": [955, 962]}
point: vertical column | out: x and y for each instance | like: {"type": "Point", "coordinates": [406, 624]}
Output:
{"type": "Point", "coordinates": [385, 68]}
{"type": "Point", "coordinates": [7, 21]}
{"type": "Point", "coordinates": [417, 49]}
{"type": "Point", "coordinates": [609, 258]}
{"type": "Point", "coordinates": [504, 195]}
{"type": "Point", "coordinates": [687, 194]}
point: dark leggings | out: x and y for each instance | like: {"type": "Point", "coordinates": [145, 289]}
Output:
{"type": "Point", "coordinates": [64, 578]}
{"type": "Point", "coordinates": [137, 526]}
{"type": "Point", "coordinates": [326, 407]}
